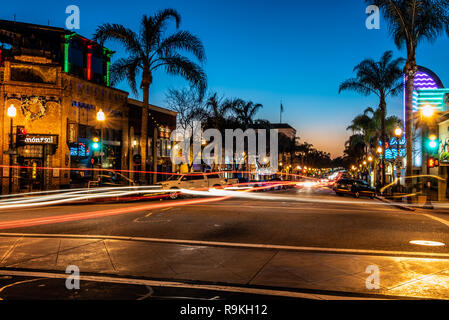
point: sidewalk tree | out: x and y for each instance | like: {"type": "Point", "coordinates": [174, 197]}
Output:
{"type": "Point", "coordinates": [381, 78]}
{"type": "Point", "coordinates": [411, 22]}
{"type": "Point", "coordinates": [190, 106]}
{"type": "Point", "coordinates": [150, 50]}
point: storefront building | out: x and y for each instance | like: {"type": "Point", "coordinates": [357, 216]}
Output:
{"type": "Point", "coordinates": [431, 136]}
{"type": "Point", "coordinates": [161, 123]}
{"type": "Point", "coordinates": [52, 85]}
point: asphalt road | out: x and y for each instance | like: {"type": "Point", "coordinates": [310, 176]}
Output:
{"type": "Point", "coordinates": [296, 217]}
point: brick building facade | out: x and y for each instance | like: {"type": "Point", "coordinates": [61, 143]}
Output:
{"type": "Point", "coordinates": [57, 81]}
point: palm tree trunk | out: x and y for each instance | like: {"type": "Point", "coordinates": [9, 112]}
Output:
{"type": "Point", "coordinates": [410, 71]}
{"type": "Point", "coordinates": [383, 106]}
{"type": "Point", "coordinates": [144, 131]}
{"type": "Point", "coordinates": [155, 151]}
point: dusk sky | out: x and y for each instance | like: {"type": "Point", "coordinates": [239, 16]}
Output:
{"type": "Point", "coordinates": [265, 51]}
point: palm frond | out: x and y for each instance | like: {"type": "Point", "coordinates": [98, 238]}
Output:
{"type": "Point", "coordinates": [153, 27]}
{"type": "Point", "coordinates": [355, 85]}
{"type": "Point", "coordinates": [181, 66]}
{"type": "Point", "coordinates": [121, 34]}
{"type": "Point", "coordinates": [125, 69]}
{"type": "Point", "coordinates": [182, 40]}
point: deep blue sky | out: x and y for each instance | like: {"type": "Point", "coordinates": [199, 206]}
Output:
{"type": "Point", "coordinates": [266, 51]}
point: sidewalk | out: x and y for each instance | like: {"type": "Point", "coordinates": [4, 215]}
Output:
{"type": "Point", "coordinates": [340, 272]}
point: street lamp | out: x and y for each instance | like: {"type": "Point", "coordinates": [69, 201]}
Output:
{"type": "Point", "coordinates": [427, 111]}
{"type": "Point", "coordinates": [398, 133]}
{"type": "Point", "coordinates": [101, 118]}
{"type": "Point", "coordinates": [12, 112]}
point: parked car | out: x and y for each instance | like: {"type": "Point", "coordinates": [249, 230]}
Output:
{"type": "Point", "coordinates": [194, 181]}
{"type": "Point", "coordinates": [354, 187]}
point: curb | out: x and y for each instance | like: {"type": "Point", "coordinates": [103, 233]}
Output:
{"type": "Point", "coordinates": [395, 204]}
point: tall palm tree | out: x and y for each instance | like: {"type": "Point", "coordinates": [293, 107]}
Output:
{"type": "Point", "coordinates": [381, 78]}
{"type": "Point", "coordinates": [150, 50]}
{"type": "Point", "coordinates": [411, 22]}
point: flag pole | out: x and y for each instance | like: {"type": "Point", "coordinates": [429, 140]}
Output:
{"type": "Point", "coordinates": [282, 109]}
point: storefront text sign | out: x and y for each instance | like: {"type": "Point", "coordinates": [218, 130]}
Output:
{"type": "Point", "coordinates": [41, 139]}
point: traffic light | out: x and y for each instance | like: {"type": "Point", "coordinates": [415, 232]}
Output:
{"type": "Point", "coordinates": [21, 134]}
{"type": "Point", "coordinates": [94, 161]}
{"type": "Point", "coordinates": [433, 163]}
{"type": "Point", "coordinates": [432, 144]}
{"type": "Point", "coordinates": [96, 143]}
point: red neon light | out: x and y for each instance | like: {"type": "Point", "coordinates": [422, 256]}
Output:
{"type": "Point", "coordinates": [89, 66]}
{"type": "Point", "coordinates": [89, 62]}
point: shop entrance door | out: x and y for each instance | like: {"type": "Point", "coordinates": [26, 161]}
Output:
{"type": "Point", "coordinates": [31, 178]}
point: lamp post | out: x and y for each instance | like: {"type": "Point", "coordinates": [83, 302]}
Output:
{"type": "Point", "coordinates": [12, 112]}
{"type": "Point", "coordinates": [370, 160]}
{"type": "Point", "coordinates": [379, 154]}
{"type": "Point", "coordinates": [398, 133]}
{"type": "Point", "coordinates": [101, 118]}
{"type": "Point", "coordinates": [427, 113]}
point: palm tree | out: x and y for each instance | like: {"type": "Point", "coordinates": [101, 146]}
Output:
{"type": "Point", "coordinates": [381, 78]}
{"type": "Point", "coordinates": [410, 22]}
{"type": "Point", "coordinates": [367, 133]}
{"type": "Point", "coordinates": [150, 50]}
{"type": "Point", "coordinates": [245, 112]}
{"type": "Point", "coordinates": [219, 109]}
{"type": "Point", "coordinates": [369, 124]}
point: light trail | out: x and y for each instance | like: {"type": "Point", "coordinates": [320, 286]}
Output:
{"type": "Point", "coordinates": [65, 198]}
{"type": "Point", "coordinates": [112, 212]}
{"type": "Point", "coordinates": [410, 177]}
{"type": "Point", "coordinates": [212, 195]}
{"type": "Point", "coordinates": [68, 196]}
{"type": "Point", "coordinates": [99, 214]}
{"type": "Point", "coordinates": [65, 193]}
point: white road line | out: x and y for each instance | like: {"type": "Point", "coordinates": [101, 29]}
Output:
{"type": "Point", "coordinates": [151, 283]}
{"type": "Point", "coordinates": [235, 245]}
{"type": "Point", "coordinates": [445, 222]}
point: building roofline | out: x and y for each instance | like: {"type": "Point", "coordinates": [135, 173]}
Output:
{"type": "Point", "coordinates": [151, 107]}
{"type": "Point", "coordinates": [35, 26]}
{"type": "Point", "coordinates": [282, 126]}
{"type": "Point", "coordinates": [44, 28]}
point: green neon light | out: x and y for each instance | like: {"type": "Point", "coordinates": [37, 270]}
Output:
{"type": "Point", "coordinates": [107, 56]}
{"type": "Point", "coordinates": [433, 97]}
{"type": "Point", "coordinates": [67, 37]}
{"type": "Point", "coordinates": [108, 73]}
{"type": "Point", "coordinates": [66, 57]}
